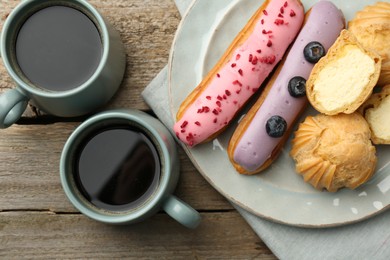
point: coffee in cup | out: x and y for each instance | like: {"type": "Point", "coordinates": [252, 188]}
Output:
{"type": "Point", "coordinates": [117, 167]}
{"type": "Point", "coordinates": [63, 56]}
{"type": "Point", "coordinates": [58, 48]}
{"type": "Point", "coordinates": [121, 167]}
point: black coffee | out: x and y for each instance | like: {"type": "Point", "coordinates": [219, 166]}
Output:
{"type": "Point", "coordinates": [117, 168]}
{"type": "Point", "coordinates": [58, 48]}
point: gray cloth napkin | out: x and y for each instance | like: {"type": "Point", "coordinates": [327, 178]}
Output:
{"type": "Point", "coordinates": [369, 239]}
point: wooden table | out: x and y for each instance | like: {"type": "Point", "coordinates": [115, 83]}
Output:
{"type": "Point", "coordinates": [37, 220]}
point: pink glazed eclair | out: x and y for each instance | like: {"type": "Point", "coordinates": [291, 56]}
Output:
{"type": "Point", "coordinates": [261, 134]}
{"type": "Point", "coordinates": [240, 72]}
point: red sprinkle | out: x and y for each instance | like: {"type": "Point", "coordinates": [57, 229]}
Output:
{"type": "Point", "coordinates": [233, 65]}
{"type": "Point", "coordinates": [224, 97]}
{"type": "Point", "coordinates": [219, 109]}
{"type": "Point", "coordinates": [218, 103]}
{"type": "Point", "coordinates": [184, 124]}
{"type": "Point", "coordinates": [238, 91]}
{"type": "Point", "coordinates": [189, 137]}
{"type": "Point", "coordinates": [269, 43]}
{"type": "Point", "coordinates": [258, 51]}
{"type": "Point", "coordinates": [238, 56]}
{"type": "Point", "coordinates": [227, 92]}
{"type": "Point", "coordinates": [268, 59]}
{"type": "Point", "coordinates": [282, 10]}
{"type": "Point", "coordinates": [272, 59]}
{"type": "Point", "coordinates": [236, 82]}
{"type": "Point", "coordinates": [253, 69]}
{"type": "Point", "coordinates": [197, 123]}
{"type": "Point", "coordinates": [215, 120]}
{"type": "Point", "coordinates": [218, 75]}
{"type": "Point", "coordinates": [219, 97]}
{"type": "Point", "coordinates": [183, 131]}
{"type": "Point", "coordinates": [215, 112]}
{"type": "Point", "coordinates": [235, 102]}
{"type": "Point", "coordinates": [208, 97]}
{"type": "Point", "coordinates": [265, 12]}
{"type": "Point", "coordinates": [255, 89]}
{"type": "Point", "coordinates": [177, 135]}
{"type": "Point", "coordinates": [279, 22]}
{"type": "Point", "coordinates": [280, 16]}
{"type": "Point", "coordinates": [240, 72]}
{"type": "Point", "coordinates": [204, 109]}
{"type": "Point", "coordinates": [292, 13]}
{"type": "Point", "coordinates": [262, 21]}
{"type": "Point", "coordinates": [250, 57]}
{"type": "Point", "coordinates": [254, 61]}
{"type": "Point", "coordinates": [285, 4]}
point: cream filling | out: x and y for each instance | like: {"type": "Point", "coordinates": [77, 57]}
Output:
{"type": "Point", "coordinates": [379, 119]}
{"type": "Point", "coordinates": [344, 79]}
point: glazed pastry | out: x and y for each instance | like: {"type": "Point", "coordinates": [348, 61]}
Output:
{"type": "Point", "coordinates": [342, 80]}
{"type": "Point", "coordinates": [332, 152]}
{"type": "Point", "coordinates": [262, 133]}
{"type": "Point", "coordinates": [240, 72]}
{"type": "Point", "coordinates": [376, 110]}
{"type": "Point", "coordinates": [371, 26]}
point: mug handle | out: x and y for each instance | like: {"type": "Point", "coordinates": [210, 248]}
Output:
{"type": "Point", "coordinates": [12, 105]}
{"type": "Point", "coordinates": [181, 212]}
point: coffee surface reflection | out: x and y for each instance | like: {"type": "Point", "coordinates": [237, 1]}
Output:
{"type": "Point", "coordinates": [58, 48]}
{"type": "Point", "coordinates": [117, 168]}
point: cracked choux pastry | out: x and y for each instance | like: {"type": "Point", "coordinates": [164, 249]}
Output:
{"type": "Point", "coordinates": [333, 152]}
{"type": "Point", "coordinates": [376, 110]}
{"type": "Point", "coordinates": [371, 26]}
{"type": "Point", "coordinates": [344, 78]}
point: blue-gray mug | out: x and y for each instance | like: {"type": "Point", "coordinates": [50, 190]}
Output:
{"type": "Point", "coordinates": [80, 99]}
{"type": "Point", "coordinates": [161, 197]}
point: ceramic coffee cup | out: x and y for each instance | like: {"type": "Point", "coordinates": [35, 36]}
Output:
{"type": "Point", "coordinates": [75, 81]}
{"type": "Point", "coordinates": [107, 179]}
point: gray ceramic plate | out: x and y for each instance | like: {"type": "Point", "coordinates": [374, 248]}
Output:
{"type": "Point", "coordinates": [278, 194]}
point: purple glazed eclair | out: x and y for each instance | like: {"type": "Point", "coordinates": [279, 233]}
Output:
{"type": "Point", "coordinates": [263, 131]}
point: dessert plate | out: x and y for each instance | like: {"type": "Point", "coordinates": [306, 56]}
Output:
{"type": "Point", "coordinates": [277, 194]}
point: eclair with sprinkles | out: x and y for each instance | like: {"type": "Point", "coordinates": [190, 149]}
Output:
{"type": "Point", "coordinates": [240, 72]}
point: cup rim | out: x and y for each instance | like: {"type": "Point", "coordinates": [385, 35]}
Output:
{"type": "Point", "coordinates": [118, 217]}
{"type": "Point", "coordinates": [7, 29]}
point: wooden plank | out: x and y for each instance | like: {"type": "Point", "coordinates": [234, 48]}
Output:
{"type": "Point", "coordinates": [147, 29]}
{"type": "Point", "coordinates": [47, 235]}
{"type": "Point", "coordinates": [29, 171]}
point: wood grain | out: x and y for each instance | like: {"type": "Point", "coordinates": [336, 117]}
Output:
{"type": "Point", "coordinates": [47, 235]}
